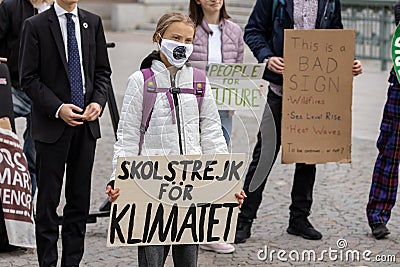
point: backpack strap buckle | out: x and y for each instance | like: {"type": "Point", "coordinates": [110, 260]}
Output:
{"type": "Point", "coordinates": [199, 87]}
{"type": "Point", "coordinates": [175, 90]}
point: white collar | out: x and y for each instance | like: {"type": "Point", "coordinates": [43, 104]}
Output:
{"type": "Point", "coordinates": [61, 11]}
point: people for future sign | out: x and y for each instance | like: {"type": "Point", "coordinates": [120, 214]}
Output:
{"type": "Point", "coordinates": [176, 199]}
{"type": "Point", "coordinates": [236, 86]}
{"type": "Point", "coordinates": [317, 96]}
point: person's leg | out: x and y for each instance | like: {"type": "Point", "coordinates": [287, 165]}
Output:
{"type": "Point", "coordinates": [226, 124]}
{"type": "Point", "coordinates": [302, 197]}
{"type": "Point", "coordinates": [77, 194]}
{"type": "Point", "coordinates": [384, 184]}
{"type": "Point", "coordinates": [258, 172]}
{"type": "Point", "coordinates": [30, 153]}
{"type": "Point", "coordinates": [302, 191]}
{"type": "Point", "coordinates": [185, 255]}
{"type": "Point", "coordinates": [152, 256]}
{"type": "Point", "coordinates": [50, 166]}
{"type": "Point", "coordinates": [254, 197]}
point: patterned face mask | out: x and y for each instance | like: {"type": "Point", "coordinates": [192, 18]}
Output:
{"type": "Point", "coordinates": [176, 53]}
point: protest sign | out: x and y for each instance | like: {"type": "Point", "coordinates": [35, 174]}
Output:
{"type": "Point", "coordinates": [15, 192]}
{"type": "Point", "coordinates": [317, 96]}
{"type": "Point", "coordinates": [176, 199]}
{"type": "Point", "coordinates": [396, 51]}
{"type": "Point", "coordinates": [236, 86]}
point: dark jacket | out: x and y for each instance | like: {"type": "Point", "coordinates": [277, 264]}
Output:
{"type": "Point", "coordinates": [264, 34]}
{"type": "Point", "coordinates": [44, 70]}
{"type": "Point", "coordinates": [6, 106]}
{"type": "Point", "coordinates": [12, 15]}
{"type": "Point", "coordinates": [397, 12]}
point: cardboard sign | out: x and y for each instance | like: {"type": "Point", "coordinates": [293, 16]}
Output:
{"type": "Point", "coordinates": [317, 96]}
{"type": "Point", "coordinates": [236, 86]}
{"type": "Point", "coordinates": [176, 200]}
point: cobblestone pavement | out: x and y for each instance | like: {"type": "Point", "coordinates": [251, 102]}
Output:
{"type": "Point", "coordinates": [340, 196]}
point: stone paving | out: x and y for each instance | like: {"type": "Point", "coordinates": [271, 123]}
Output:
{"type": "Point", "coordinates": [340, 196]}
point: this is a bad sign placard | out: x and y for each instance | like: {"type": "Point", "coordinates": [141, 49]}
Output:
{"type": "Point", "coordinates": [317, 96]}
{"type": "Point", "coordinates": [176, 199]}
{"type": "Point", "coordinates": [236, 86]}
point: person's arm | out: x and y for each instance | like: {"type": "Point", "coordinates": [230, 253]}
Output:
{"type": "Point", "coordinates": [4, 30]}
{"type": "Point", "coordinates": [258, 28]}
{"type": "Point", "coordinates": [29, 63]}
{"type": "Point", "coordinates": [102, 80]}
{"type": "Point", "coordinates": [337, 17]}
{"type": "Point", "coordinates": [128, 133]}
{"type": "Point", "coordinates": [4, 22]}
{"type": "Point", "coordinates": [240, 55]}
{"type": "Point", "coordinates": [211, 138]}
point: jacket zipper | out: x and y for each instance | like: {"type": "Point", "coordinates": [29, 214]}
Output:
{"type": "Point", "coordinates": [177, 113]}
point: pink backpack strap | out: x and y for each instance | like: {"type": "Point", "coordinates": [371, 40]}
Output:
{"type": "Point", "coordinates": [149, 98]}
{"type": "Point", "coordinates": [199, 85]}
{"type": "Point", "coordinates": [150, 91]}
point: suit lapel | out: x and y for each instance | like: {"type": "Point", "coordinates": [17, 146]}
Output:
{"type": "Point", "coordinates": [84, 26]}
{"type": "Point", "coordinates": [56, 32]}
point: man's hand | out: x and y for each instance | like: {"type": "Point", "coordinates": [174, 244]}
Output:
{"type": "Point", "coordinates": [92, 112]}
{"type": "Point", "coordinates": [68, 115]}
{"type": "Point", "coordinates": [357, 68]}
{"type": "Point", "coordinates": [276, 65]}
{"type": "Point", "coordinates": [112, 193]}
{"type": "Point", "coordinates": [3, 59]}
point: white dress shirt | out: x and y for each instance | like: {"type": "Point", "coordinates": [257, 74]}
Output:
{"type": "Point", "coordinates": [62, 19]}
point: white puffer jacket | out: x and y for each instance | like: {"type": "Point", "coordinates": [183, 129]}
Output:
{"type": "Point", "coordinates": [201, 133]}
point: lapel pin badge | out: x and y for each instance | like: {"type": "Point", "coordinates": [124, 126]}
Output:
{"type": "Point", "coordinates": [85, 25]}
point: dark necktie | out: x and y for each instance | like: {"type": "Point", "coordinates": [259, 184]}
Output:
{"type": "Point", "coordinates": [74, 65]}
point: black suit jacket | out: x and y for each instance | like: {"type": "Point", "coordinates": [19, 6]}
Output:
{"type": "Point", "coordinates": [44, 70]}
{"type": "Point", "coordinates": [12, 15]}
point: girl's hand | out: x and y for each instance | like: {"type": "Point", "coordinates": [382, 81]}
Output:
{"type": "Point", "coordinates": [240, 197]}
{"type": "Point", "coordinates": [112, 193]}
{"type": "Point", "coordinates": [357, 68]}
{"type": "Point", "coordinates": [261, 89]}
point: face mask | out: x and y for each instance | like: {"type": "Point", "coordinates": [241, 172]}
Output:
{"type": "Point", "coordinates": [176, 53]}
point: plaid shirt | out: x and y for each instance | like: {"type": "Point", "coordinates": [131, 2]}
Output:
{"type": "Point", "coordinates": [305, 14]}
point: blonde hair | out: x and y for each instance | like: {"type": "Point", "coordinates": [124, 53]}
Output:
{"type": "Point", "coordinates": [167, 19]}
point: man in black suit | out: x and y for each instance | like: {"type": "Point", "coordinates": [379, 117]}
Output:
{"type": "Point", "coordinates": [65, 71]}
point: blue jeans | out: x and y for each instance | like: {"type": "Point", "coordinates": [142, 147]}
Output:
{"type": "Point", "coordinates": [226, 123]}
{"type": "Point", "coordinates": [22, 108]}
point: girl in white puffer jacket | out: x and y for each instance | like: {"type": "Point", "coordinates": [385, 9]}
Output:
{"type": "Point", "coordinates": [180, 130]}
